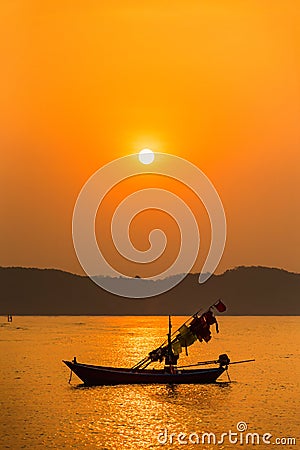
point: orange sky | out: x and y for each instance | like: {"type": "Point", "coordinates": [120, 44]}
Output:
{"type": "Point", "coordinates": [215, 82]}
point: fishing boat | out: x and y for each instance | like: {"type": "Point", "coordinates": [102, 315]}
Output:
{"type": "Point", "coordinates": [197, 327]}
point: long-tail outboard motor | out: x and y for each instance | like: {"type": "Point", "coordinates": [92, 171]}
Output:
{"type": "Point", "coordinates": [224, 360]}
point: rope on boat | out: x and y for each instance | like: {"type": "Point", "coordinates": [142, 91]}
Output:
{"type": "Point", "coordinates": [228, 375]}
{"type": "Point", "coordinates": [74, 362]}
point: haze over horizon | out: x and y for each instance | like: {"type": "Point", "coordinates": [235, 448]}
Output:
{"type": "Point", "coordinates": [229, 269]}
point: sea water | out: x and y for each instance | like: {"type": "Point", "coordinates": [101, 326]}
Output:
{"type": "Point", "coordinates": [39, 409]}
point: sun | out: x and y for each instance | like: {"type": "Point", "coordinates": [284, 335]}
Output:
{"type": "Point", "coordinates": [146, 156]}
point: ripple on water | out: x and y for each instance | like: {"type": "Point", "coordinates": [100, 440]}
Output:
{"type": "Point", "coordinates": [41, 410]}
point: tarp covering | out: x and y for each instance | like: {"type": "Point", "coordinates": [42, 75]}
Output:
{"type": "Point", "coordinates": [197, 327]}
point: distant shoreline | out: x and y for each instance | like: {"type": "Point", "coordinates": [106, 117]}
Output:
{"type": "Point", "coordinates": [247, 291]}
{"type": "Point", "coordinates": [179, 274]}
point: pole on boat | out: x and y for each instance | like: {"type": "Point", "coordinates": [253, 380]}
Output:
{"type": "Point", "coordinates": [215, 361]}
{"type": "Point", "coordinates": [170, 335]}
{"type": "Point", "coordinates": [202, 363]}
{"type": "Point", "coordinates": [244, 361]}
{"type": "Point", "coordinates": [170, 352]}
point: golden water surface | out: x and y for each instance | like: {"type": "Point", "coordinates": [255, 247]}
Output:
{"type": "Point", "coordinates": [39, 409]}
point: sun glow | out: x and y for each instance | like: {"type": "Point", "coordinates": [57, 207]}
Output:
{"type": "Point", "coordinates": [146, 156]}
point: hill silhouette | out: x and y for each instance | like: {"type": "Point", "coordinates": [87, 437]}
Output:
{"type": "Point", "coordinates": [245, 291]}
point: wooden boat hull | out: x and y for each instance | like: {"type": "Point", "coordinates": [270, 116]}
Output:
{"type": "Point", "coordinates": [98, 375]}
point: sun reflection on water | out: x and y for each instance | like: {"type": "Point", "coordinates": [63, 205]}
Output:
{"type": "Point", "coordinates": [42, 410]}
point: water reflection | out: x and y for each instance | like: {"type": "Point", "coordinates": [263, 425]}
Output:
{"type": "Point", "coordinates": [171, 390]}
{"type": "Point", "coordinates": [130, 417]}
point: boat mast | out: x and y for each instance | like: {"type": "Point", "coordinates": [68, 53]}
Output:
{"type": "Point", "coordinates": [170, 331]}
{"type": "Point", "coordinates": [170, 352]}
{"type": "Point", "coordinates": [170, 359]}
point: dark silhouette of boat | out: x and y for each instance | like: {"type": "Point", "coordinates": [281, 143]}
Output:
{"type": "Point", "coordinates": [195, 328]}
{"type": "Point", "coordinates": [99, 375]}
